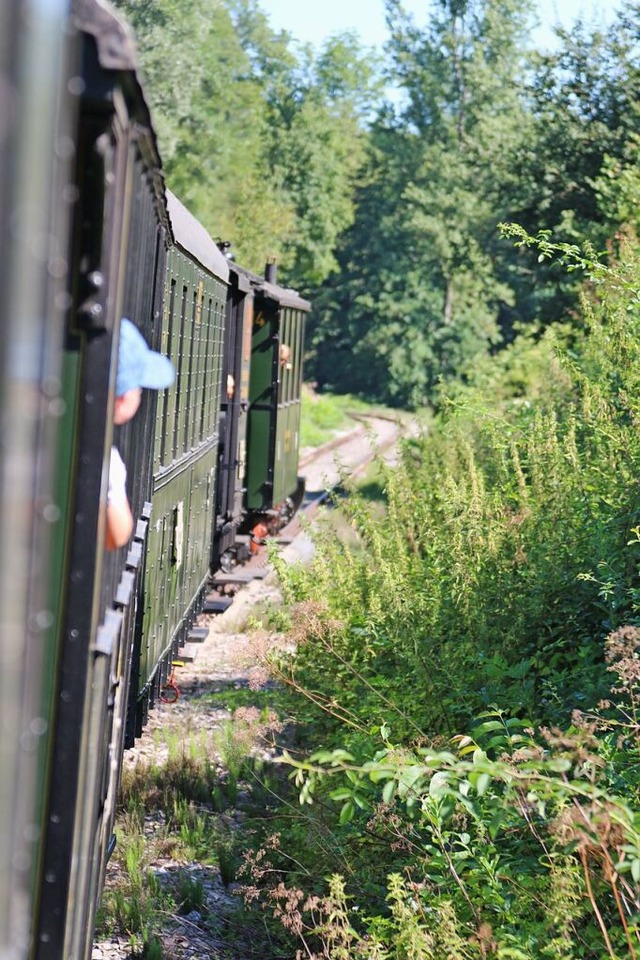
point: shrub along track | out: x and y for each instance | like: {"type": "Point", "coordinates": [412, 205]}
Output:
{"type": "Point", "coordinates": [171, 880]}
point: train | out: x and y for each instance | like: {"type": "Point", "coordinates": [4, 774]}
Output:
{"type": "Point", "coordinates": [91, 234]}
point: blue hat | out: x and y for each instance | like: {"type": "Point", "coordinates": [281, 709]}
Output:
{"type": "Point", "coordinates": [138, 365]}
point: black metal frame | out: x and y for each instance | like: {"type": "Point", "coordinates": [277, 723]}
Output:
{"type": "Point", "coordinates": [234, 405]}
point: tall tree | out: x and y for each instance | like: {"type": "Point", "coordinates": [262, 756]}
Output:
{"type": "Point", "coordinates": [316, 140]}
{"type": "Point", "coordinates": [211, 120]}
{"type": "Point", "coordinates": [584, 101]}
{"type": "Point", "coordinates": [439, 171]}
{"type": "Point", "coordinates": [262, 142]}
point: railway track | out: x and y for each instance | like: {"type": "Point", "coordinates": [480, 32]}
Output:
{"type": "Point", "coordinates": [324, 468]}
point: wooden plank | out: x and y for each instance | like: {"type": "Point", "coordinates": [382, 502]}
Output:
{"type": "Point", "coordinates": [217, 604]}
{"type": "Point", "coordinates": [243, 576]}
{"type": "Point", "coordinates": [188, 653]}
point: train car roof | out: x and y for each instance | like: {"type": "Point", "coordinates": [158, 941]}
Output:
{"type": "Point", "coordinates": [114, 37]}
{"type": "Point", "coordinates": [189, 234]}
{"type": "Point", "coordinates": [116, 49]}
{"type": "Point", "coordinates": [284, 296]}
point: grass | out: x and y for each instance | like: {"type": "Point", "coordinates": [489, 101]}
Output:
{"type": "Point", "coordinates": [180, 811]}
{"type": "Point", "coordinates": [325, 415]}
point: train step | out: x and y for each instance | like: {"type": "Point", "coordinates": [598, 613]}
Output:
{"type": "Point", "coordinates": [197, 634]}
{"type": "Point", "coordinates": [242, 576]}
{"type": "Point", "coordinates": [217, 604]}
{"type": "Point", "coordinates": [188, 653]}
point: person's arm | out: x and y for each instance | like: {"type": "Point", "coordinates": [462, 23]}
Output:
{"type": "Point", "coordinates": [119, 516]}
{"type": "Point", "coordinates": [119, 525]}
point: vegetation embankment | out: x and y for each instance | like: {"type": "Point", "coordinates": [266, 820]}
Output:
{"type": "Point", "coordinates": [467, 677]}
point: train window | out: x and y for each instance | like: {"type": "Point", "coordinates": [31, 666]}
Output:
{"type": "Point", "coordinates": [213, 346]}
{"type": "Point", "coordinates": [285, 362]}
{"type": "Point", "coordinates": [294, 349]}
{"type": "Point", "coordinates": [208, 334]}
{"type": "Point", "coordinates": [189, 413]}
{"type": "Point", "coordinates": [300, 348]}
{"type": "Point", "coordinates": [222, 313]}
{"type": "Point", "coordinates": [288, 379]}
{"type": "Point", "coordinates": [165, 398]}
{"type": "Point", "coordinates": [216, 365]}
{"type": "Point", "coordinates": [293, 326]}
{"type": "Point", "coordinates": [198, 337]}
{"type": "Point", "coordinates": [180, 374]}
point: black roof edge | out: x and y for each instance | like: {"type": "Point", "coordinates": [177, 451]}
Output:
{"type": "Point", "coordinates": [192, 237]}
{"type": "Point", "coordinates": [284, 296]}
{"type": "Point", "coordinates": [117, 50]}
{"type": "Point", "coordinates": [116, 43]}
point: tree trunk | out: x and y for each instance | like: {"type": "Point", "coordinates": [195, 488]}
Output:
{"type": "Point", "coordinates": [448, 303]}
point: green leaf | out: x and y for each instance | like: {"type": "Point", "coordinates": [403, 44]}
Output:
{"type": "Point", "coordinates": [439, 783]}
{"type": "Point", "coordinates": [482, 782]}
{"type": "Point", "coordinates": [389, 791]}
{"type": "Point", "coordinates": [343, 793]}
{"type": "Point", "coordinates": [347, 812]}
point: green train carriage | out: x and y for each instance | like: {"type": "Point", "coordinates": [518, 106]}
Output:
{"type": "Point", "coordinates": [35, 215]}
{"type": "Point", "coordinates": [273, 488]}
{"type": "Point", "coordinates": [185, 454]}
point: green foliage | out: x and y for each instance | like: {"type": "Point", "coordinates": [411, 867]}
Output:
{"type": "Point", "coordinates": [134, 905]}
{"type": "Point", "coordinates": [504, 546]}
{"type": "Point", "coordinates": [517, 842]}
{"type": "Point", "coordinates": [487, 131]}
{"type": "Point", "coordinates": [325, 415]}
{"type": "Point", "coordinates": [176, 810]}
{"type": "Point", "coordinates": [386, 214]}
{"type": "Point", "coordinates": [504, 571]}
{"type": "Point", "coordinates": [263, 145]}
{"type": "Point", "coordinates": [419, 293]}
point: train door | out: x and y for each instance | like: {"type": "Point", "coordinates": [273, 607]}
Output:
{"type": "Point", "coordinates": [234, 403]}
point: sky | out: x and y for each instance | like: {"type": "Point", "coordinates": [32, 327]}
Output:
{"type": "Point", "coordinates": [311, 21]}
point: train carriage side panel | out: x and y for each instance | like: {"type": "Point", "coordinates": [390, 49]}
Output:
{"type": "Point", "coordinates": [35, 211]}
{"type": "Point", "coordinates": [288, 434]}
{"type": "Point", "coordinates": [227, 549]}
{"type": "Point", "coordinates": [274, 413]}
{"type": "Point", "coordinates": [121, 590]}
{"type": "Point", "coordinates": [263, 397]}
{"type": "Point", "coordinates": [99, 599]}
{"type": "Point", "coordinates": [186, 451]}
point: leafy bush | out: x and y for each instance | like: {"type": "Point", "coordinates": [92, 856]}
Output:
{"type": "Point", "coordinates": [503, 557]}
{"type": "Point", "coordinates": [504, 571]}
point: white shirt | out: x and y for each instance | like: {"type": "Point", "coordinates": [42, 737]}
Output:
{"type": "Point", "coordinates": [117, 489]}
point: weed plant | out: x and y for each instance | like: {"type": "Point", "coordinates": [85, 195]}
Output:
{"type": "Point", "coordinates": [504, 571]}
{"type": "Point", "coordinates": [177, 810]}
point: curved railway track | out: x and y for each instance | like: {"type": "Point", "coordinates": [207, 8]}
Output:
{"type": "Point", "coordinates": [324, 469]}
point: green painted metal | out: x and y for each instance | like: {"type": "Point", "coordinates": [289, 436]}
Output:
{"type": "Point", "coordinates": [185, 457]}
{"type": "Point", "coordinates": [262, 406]}
{"type": "Point", "coordinates": [274, 416]}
